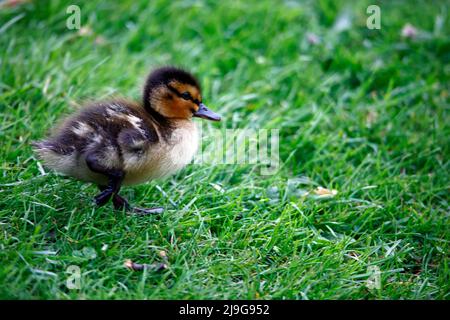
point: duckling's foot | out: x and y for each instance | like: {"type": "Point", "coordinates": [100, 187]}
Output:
{"type": "Point", "coordinates": [103, 197]}
{"type": "Point", "coordinates": [121, 203]}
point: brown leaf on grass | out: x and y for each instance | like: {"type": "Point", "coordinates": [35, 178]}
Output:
{"type": "Point", "coordinates": [217, 187]}
{"type": "Point", "coordinates": [163, 255]}
{"type": "Point", "coordinates": [140, 267]}
{"type": "Point", "coordinates": [324, 192]}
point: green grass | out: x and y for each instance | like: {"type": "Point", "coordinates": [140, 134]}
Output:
{"type": "Point", "coordinates": [365, 112]}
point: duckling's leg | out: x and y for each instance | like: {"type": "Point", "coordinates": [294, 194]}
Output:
{"type": "Point", "coordinates": [121, 203]}
{"type": "Point", "coordinates": [115, 178]}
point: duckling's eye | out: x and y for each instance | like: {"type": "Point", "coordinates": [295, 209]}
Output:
{"type": "Point", "coordinates": [186, 96]}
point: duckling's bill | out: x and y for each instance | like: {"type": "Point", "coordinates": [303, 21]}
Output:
{"type": "Point", "coordinates": [205, 113]}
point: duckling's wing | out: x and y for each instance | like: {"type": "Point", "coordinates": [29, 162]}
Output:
{"type": "Point", "coordinates": [137, 147]}
{"type": "Point", "coordinates": [116, 132]}
{"type": "Point", "coordinates": [136, 141]}
{"type": "Point", "coordinates": [65, 151]}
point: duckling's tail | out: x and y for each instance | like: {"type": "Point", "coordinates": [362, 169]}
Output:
{"type": "Point", "coordinates": [43, 146]}
{"type": "Point", "coordinates": [37, 145]}
{"type": "Point", "coordinates": [47, 145]}
{"type": "Point", "coordinates": [44, 150]}
{"type": "Point", "coordinates": [52, 156]}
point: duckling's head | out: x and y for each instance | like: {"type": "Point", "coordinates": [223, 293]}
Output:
{"type": "Point", "coordinates": [172, 93]}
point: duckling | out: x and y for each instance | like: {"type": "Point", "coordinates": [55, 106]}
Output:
{"type": "Point", "coordinates": [119, 142]}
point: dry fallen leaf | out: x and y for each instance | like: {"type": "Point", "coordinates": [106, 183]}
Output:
{"type": "Point", "coordinates": [128, 264]}
{"type": "Point", "coordinates": [324, 192]}
{"type": "Point", "coordinates": [218, 187]}
{"type": "Point", "coordinates": [163, 255]}
{"type": "Point", "coordinates": [140, 267]}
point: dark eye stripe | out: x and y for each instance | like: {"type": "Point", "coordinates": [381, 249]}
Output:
{"type": "Point", "coordinates": [174, 90]}
{"type": "Point", "coordinates": [181, 95]}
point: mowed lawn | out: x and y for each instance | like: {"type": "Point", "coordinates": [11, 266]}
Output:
{"type": "Point", "coordinates": [363, 112]}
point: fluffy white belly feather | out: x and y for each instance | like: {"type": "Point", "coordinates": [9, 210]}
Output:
{"type": "Point", "coordinates": [162, 159]}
